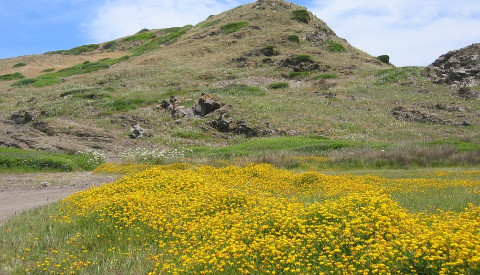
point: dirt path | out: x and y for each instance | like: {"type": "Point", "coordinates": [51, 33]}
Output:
{"type": "Point", "coordinates": [26, 191]}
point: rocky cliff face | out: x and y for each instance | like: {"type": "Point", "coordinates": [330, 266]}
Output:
{"type": "Point", "coordinates": [460, 67]}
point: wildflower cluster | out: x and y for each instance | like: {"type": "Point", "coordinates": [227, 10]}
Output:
{"type": "Point", "coordinates": [152, 156]}
{"type": "Point", "coordinates": [263, 220]}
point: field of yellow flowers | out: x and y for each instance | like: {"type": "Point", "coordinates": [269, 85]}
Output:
{"type": "Point", "coordinates": [257, 219]}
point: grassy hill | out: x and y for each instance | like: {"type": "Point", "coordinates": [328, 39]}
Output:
{"type": "Point", "coordinates": [281, 70]}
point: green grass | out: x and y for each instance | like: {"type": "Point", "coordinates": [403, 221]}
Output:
{"type": "Point", "coordinates": [234, 27]}
{"type": "Point", "coordinates": [77, 50]}
{"type": "Point", "coordinates": [397, 74]}
{"type": "Point", "coordinates": [240, 90]}
{"type": "Point", "coordinates": [32, 160]}
{"type": "Point", "coordinates": [325, 76]}
{"type": "Point", "coordinates": [139, 36]}
{"type": "Point", "coordinates": [124, 104]}
{"type": "Point", "coordinates": [301, 16]}
{"type": "Point", "coordinates": [171, 36]}
{"type": "Point", "coordinates": [83, 68]}
{"type": "Point", "coordinates": [24, 82]}
{"type": "Point", "coordinates": [259, 146]}
{"type": "Point", "coordinates": [13, 76]}
{"type": "Point", "coordinates": [206, 24]}
{"type": "Point", "coordinates": [48, 70]}
{"type": "Point", "coordinates": [279, 85]}
{"type": "Point", "coordinates": [335, 46]}
{"type": "Point", "coordinates": [298, 74]}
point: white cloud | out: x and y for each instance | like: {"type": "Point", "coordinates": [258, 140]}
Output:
{"type": "Point", "coordinates": [412, 32]}
{"type": "Point", "coordinates": [117, 18]}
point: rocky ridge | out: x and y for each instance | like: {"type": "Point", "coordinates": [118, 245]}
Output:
{"type": "Point", "coordinates": [459, 67]}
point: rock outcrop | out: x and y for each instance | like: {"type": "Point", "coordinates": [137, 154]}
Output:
{"type": "Point", "coordinates": [460, 67]}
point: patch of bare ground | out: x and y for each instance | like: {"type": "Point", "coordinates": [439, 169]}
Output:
{"type": "Point", "coordinates": [20, 192]}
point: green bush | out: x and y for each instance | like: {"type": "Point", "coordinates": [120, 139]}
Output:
{"type": "Point", "coordinates": [279, 85]}
{"type": "Point", "coordinates": [335, 46]}
{"type": "Point", "coordinates": [303, 58]}
{"type": "Point", "coordinates": [19, 65]}
{"type": "Point", "coordinates": [301, 16]}
{"type": "Point", "coordinates": [110, 45]}
{"type": "Point", "coordinates": [293, 38]}
{"type": "Point", "coordinates": [13, 76]}
{"type": "Point", "coordinates": [233, 27]}
{"type": "Point", "coordinates": [384, 58]}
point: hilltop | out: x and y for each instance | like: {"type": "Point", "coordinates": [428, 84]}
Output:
{"type": "Point", "coordinates": [271, 67]}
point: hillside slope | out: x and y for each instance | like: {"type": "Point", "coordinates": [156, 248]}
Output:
{"type": "Point", "coordinates": [272, 67]}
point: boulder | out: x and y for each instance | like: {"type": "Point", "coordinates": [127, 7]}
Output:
{"type": "Point", "coordinates": [24, 117]}
{"type": "Point", "coordinates": [136, 131]}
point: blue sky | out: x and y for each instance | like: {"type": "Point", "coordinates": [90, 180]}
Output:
{"type": "Point", "coordinates": [412, 32]}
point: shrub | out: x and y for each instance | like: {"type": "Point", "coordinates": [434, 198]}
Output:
{"type": "Point", "coordinates": [19, 65]}
{"type": "Point", "coordinates": [335, 46]}
{"type": "Point", "coordinates": [233, 27]}
{"type": "Point", "coordinates": [110, 45]}
{"type": "Point", "coordinates": [13, 76]}
{"type": "Point", "coordinates": [293, 38]}
{"type": "Point", "coordinates": [279, 85]}
{"type": "Point", "coordinates": [267, 60]}
{"type": "Point", "coordinates": [303, 58]}
{"type": "Point", "coordinates": [301, 16]}
{"type": "Point", "coordinates": [269, 51]}
{"type": "Point", "coordinates": [384, 58]}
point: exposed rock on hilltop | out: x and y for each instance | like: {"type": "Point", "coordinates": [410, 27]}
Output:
{"type": "Point", "coordinates": [461, 67]}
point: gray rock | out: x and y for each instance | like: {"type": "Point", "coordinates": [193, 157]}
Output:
{"type": "Point", "coordinates": [459, 67]}
{"type": "Point", "coordinates": [136, 131]}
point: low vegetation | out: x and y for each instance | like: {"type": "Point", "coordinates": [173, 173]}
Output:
{"type": "Point", "coordinates": [13, 76]}
{"type": "Point", "coordinates": [279, 85]}
{"type": "Point", "coordinates": [301, 16]}
{"type": "Point", "coordinates": [18, 160]}
{"type": "Point", "coordinates": [335, 46]}
{"type": "Point", "coordinates": [234, 27]}
{"type": "Point", "coordinates": [76, 50]}
{"type": "Point", "coordinates": [21, 64]}
{"type": "Point", "coordinates": [83, 68]}
{"type": "Point", "coordinates": [293, 38]}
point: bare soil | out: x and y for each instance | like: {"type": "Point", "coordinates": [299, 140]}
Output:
{"type": "Point", "coordinates": [20, 192]}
